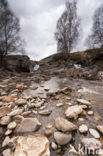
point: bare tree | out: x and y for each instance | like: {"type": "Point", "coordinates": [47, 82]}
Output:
{"type": "Point", "coordinates": [95, 40]}
{"type": "Point", "coordinates": [68, 26]}
{"type": "Point", "coordinates": [9, 30]}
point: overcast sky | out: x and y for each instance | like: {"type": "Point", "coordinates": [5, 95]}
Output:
{"type": "Point", "coordinates": [38, 22]}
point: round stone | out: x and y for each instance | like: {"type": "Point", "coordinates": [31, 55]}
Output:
{"type": "Point", "coordinates": [12, 125]}
{"type": "Point", "coordinates": [61, 138]}
{"type": "Point", "coordinates": [83, 128]}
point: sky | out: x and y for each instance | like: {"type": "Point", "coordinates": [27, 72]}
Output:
{"type": "Point", "coordinates": [38, 23]}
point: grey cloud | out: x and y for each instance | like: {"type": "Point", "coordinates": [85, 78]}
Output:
{"type": "Point", "coordinates": [38, 22]}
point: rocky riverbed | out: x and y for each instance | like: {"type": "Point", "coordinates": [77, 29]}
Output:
{"type": "Point", "coordinates": [49, 112]}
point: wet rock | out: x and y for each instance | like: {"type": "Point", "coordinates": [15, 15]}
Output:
{"type": "Point", "coordinates": [73, 111]}
{"type": "Point", "coordinates": [32, 145]}
{"type": "Point", "coordinates": [28, 125]}
{"type": "Point", "coordinates": [100, 128]}
{"type": "Point", "coordinates": [48, 132]}
{"type": "Point", "coordinates": [7, 152]}
{"type": "Point", "coordinates": [4, 111]}
{"type": "Point", "coordinates": [61, 138]}
{"type": "Point", "coordinates": [33, 87]}
{"type": "Point", "coordinates": [39, 104]}
{"type": "Point", "coordinates": [26, 113]}
{"type": "Point", "coordinates": [20, 86]}
{"type": "Point", "coordinates": [5, 120]}
{"type": "Point", "coordinates": [81, 120]}
{"type": "Point", "coordinates": [18, 118]}
{"type": "Point", "coordinates": [45, 112]}
{"type": "Point", "coordinates": [90, 112]}
{"type": "Point", "coordinates": [12, 125]}
{"type": "Point", "coordinates": [59, 104]}
{"type": "Point", "coordinates": [20, 102]}
{"type": "Point", "coordinates": [91, 143]}
{"type": "Point", "coordinates": [49, 126]}
{"type": "Point", "coordinates": [84, 102]}
{"type": "Point", "coordinates": [6, 141]}
{"type": "Point", "coordinates": [83, 128]}
{"type": "Point", "coordinates": [15, 112]}
{"type": "Point", "coordinates": [64, 125]}
{"type": "Point", "coordinates": [8, 132]}
{"type": "Point", "coordinates": [54, 146]}
{"type": "Point", "coordinates": [9, 98]}
{"type": "Point", "coordinates": [94, 133]}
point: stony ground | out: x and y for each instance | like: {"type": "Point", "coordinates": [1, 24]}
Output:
{"type": "Point", "coordinates": [49, 112]}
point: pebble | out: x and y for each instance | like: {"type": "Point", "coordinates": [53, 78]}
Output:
{"type": "Point", "coordinates": [48, 132]}
{"type": "Point", "coordinates": [94, 133]}
{"type": "Point", "coordinates": [100, 128]}
{"type": "Point", "coordinates": [45, 112]}
{"type": "Point", "coordinates": [12, 125]}
{"type": "Point", "coordinates": [5, 120]}
{"type": "Point", "coordinates": [90, 112]}
{"type": "Point", "coordinates": [8, 132]}
{"type": "Point", "coordinates": [6, 141]}
{"type": "Point", "coordinates": [83, 128]}
{"type": "Point", "coordinates": [54, 146]}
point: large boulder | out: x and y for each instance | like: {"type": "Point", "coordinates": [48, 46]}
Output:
{"type": "Point", "coordinates": [19, 63]}
{"type": "Point", "coordinates": [32, 145]}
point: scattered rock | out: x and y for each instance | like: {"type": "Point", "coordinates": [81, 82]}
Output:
{"type": "Point", "coordinates": [32, 145]}
{"type": "Point", "coordinates": [12, 125]}
{"type": "Point", "coordinates": [45, 112]}
{"type": "Point", "coordinates": [8, 132]}
{"type": "Point", "coordinates": [49, 126]}
{"type": "Point", "coordinates": [18, 118]}
{"type": "Point", "coordinates": [26, 113]}
{"type": "Point", "coordinates": [54, 146]}
{"type": "Point", "coordinates": [73, 111]}
{"type": "Point", "coordinates": [91, 143]}
{"type": "Point", "coordinates": [15, 112]}
{"type": "Point", "coordinates": [100, 128]}
{"type": "Point", "coordinates": [39, 104]}
{"type": "Point", "coordinates": [81, 120]}
{"type": "Point", "coordinates": [4, 111]}
{"type": "Point", "coordinates": [20, 86]}
{"type": "Point", "coordinates": [90, 112]}
{"type": "Point", "coordinates": [59, 104]}
{"type": "Point", "coordinates": [33, 87]}
{"type": "Point", "coordinates": [7, 152]}
{"type": "Point", "coordinates": [84, 102]}
{"type": "Point", "coordinates": [20, 102]}
{"type": "Point", "coordinates": [94, 133]}
{"type": "Point", "coordinates": [6, 141]}
{"type": "Point", "coordinates": [9, 98]}
{"type": "Point", "coordinates": [5, 120]}
{"type": "Point", "coordinates": [48, 132]}
{"type": "Point", "coordinates": [61, 138]}
{"type": "Point", "coordinates": [64, 125]}
{"type": "Point", "coordinates": [28, 125]}
{"type": "Point", "coordinates": [83, 128]}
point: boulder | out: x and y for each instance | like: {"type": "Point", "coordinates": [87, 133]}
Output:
{"type": "Point", "coordinates": [28, 125]}
{"type": "Point", "coordinates": [64, 125]}
{"type": "Point", "coordinates": [19, 63]}
{"type": "Point", "coordinates": [61, 138]}
{"type": "Point", "coordinates": [73, 111]}
{"type": "Point", "coordinates": [32, 145]}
